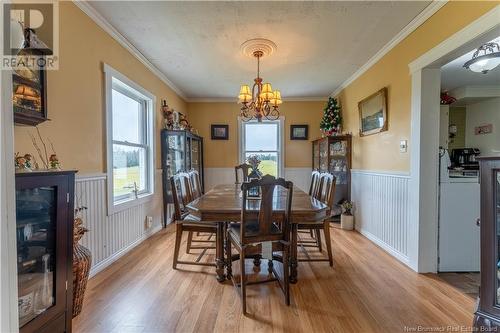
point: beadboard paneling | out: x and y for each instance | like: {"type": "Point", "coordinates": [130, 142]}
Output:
{"type": "Point", "coordinates": [112, 236]}
{"type": "Point", "coordinates": [213, 176]}
{"type": "Point", "coordinates": [382, 210]}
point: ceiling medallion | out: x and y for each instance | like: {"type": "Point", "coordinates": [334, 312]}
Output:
{"type": "Point", "coordinates": [485, 62]}
{"type": "Point", "coordinates": [262, 101]}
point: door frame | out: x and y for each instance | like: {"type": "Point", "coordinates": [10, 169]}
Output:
{"type": "Point", "coordinates": [426, 83]}
{"type": "Point", "coordinates": [9, 321]}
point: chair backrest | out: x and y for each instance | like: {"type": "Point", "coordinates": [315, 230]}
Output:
{"type": "Point", "coordinates": [326, 191]}
{"type": "Point", "coordinates": [195, 182]}
{"type": "Point", "coordinates": [268, 225]}
{"type": "Point", "coordinates": [314, 187]}
{"type": "Point", "coordinates": [180, 187]}
{"type": "Point", "coordinates": [244, 168]}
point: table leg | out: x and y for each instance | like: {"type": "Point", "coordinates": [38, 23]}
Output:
{"type": "Point", "coordinates": [219, 253]}
{"type": "Point", "coordinates": [293, 256]}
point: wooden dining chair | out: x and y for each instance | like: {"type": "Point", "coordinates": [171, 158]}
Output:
{"type": "Point", "coordinates": [261, 223]}
{"type": "Point", "coordinates": [244, 170]}
{"type": "Point", "coordinates": [314, 187]}
{"type": "Point", "coordinates": [325, 194]}
{"type": "Point", "coordinates": [180, 186]}
{"type": "Point", "coordinates": [195, 191]}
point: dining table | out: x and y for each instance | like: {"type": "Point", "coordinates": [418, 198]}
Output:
{"type": "Point", "coordinates": [222, 204]}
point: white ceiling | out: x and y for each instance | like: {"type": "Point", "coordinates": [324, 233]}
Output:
{"type": "Point", "coordinates": [197, 44]}
{"type": "Point", "coordinates": [454, 75]}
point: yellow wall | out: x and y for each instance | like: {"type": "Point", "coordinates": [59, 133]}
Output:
{"type": "Point", "coordinates": [381, 151]}
{"type": "Point", "coordinates": [224, 154]}
{"type": "Point", "coordinates": [75, 93]}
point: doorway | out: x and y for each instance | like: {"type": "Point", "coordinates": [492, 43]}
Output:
{"type": "Point", "coordinates": [425, 116]}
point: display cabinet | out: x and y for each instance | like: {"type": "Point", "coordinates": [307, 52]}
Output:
{"type": "Point", "coordinates": [44, 243]}
{"type": "Point", "coordinates": [487, 316]}
{"type": "Point", "coordinates": [333, 154]}
{"type": "Point", "coordinates": [180, 151]}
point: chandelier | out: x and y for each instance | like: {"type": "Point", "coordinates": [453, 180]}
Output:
{"type": "Point", "coordinates": [485, 62]}
{"type": "Point", "coordinates": [262, 102]}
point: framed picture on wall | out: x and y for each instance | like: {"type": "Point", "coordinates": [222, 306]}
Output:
{"type": "Point", "coordinates": [373, 113]}
{"type": "Point", "coordinates": [219, 132]}
{"type": "Point", "coordinates": [299, 132]}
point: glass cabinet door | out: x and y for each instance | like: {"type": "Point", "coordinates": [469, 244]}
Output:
{"type": "Point", "coordinates": [323, 155]}
{"type": "Point", "coordinates": [176, 154]}
{"type": "Point", "coordinates": [496, 207]}
{"type": "Point", "coordinates": [195, 154]}
{"type": "Point", "coordinates": [315, 155]}
{"type": "Point", "coordinates": [340, 168]}
{"type": "Point", "coordinates": [36, 251]}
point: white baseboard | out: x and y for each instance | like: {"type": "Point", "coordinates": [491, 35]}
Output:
{"type": "Point", "coordinates": [109, 260]}
{"type": "Point", "coordinates": [398, 255]}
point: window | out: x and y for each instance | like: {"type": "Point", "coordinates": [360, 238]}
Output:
{"type": "Point", "coordinates": [264, 140]}
{"type": "Point", "coordinates": [130, 137]}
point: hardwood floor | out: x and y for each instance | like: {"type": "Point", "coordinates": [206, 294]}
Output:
{"type": "Point", "coordinates": [467, 283]}
{"type": "Point", "coordinates": [366, 291]}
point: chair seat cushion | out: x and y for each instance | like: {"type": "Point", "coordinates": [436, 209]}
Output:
{"type": "Point", "coordinates": [191, 218]}
{"type": "Point", "coordinates": [251, 229]}
{"type": "Point", "coordinates": [195, 221]}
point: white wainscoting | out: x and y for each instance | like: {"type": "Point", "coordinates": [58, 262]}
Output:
{"type": "Point", "coordinates": [213, 176]}
{"type": "Point", "coordinates": [382, 209]}
{"type": "Point", "coordinates": [110, 237]}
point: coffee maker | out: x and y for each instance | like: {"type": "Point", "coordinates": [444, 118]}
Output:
{"type": "Point", "coordinates": [465, 158]}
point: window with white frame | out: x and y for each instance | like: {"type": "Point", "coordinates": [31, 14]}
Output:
{"type": "Point", "coordinates": [130, 138]}
{"type": "Point", "coordinates": [264, 139]}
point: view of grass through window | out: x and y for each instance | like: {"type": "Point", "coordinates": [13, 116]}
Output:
{"type": "Point", "coordinates": [261, 139]}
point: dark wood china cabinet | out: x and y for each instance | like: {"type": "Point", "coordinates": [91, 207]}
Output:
{"type": "Point", "coordinates": [44, 243]}
{"type": "Point", "coordinates": [487, 316]}
{"type": "Point", "coordinates": [181, 151]}
{"type": "Point", "coordinates": [333, 154]}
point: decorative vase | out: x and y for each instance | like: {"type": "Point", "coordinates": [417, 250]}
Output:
{"type": "Point", "coordinates": [347, 222]}
{"type": "Point", "coordinates": [82, 260]}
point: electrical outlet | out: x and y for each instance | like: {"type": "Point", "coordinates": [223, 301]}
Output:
{"type": "Point", "coordinates": [149, 222]}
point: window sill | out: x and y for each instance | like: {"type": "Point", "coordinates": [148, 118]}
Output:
{"type": "Point", "coordinates": [124, 204]}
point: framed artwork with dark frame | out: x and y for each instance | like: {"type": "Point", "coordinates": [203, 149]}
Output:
{"type": "Point", "coordinates": [29, 97]}
{"type": "Point", "coordinates": [373, 113]}
{"type": "Point", "coordinates": [299, 132]}
{"type": "Point", "coordinates": [219, 132]}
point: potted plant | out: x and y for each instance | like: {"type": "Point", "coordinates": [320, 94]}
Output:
{"type": "Point", "coordinates": [347, 219]}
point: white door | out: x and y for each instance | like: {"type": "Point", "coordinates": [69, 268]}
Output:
{"type": "Point", "coordinates": [458, 233]}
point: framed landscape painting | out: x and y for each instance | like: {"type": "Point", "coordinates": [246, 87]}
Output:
{"type": "Point", "coordinates": [219, 132]}
{"type": "Point", "coordinates": [373, 113]}
{"type": "Point", "coordinates": [299, 132]}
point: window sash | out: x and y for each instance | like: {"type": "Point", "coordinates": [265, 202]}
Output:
{"type": "Point", "coordinates": [143, 126]}
{"type": "Point", "coordinates": [280, 146]}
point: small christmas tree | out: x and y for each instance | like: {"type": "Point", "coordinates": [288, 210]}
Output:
{"type": "Point", "coordinates": [332, 118]}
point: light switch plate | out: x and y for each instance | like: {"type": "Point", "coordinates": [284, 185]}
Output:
{"type": "Point", "coordinates": [403, 146]}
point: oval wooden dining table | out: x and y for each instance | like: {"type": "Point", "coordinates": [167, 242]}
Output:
{"type": "Point", "coordinates": [222, 204]}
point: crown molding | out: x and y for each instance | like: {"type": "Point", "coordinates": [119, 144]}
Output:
{"type": "Point", "coordinates": [478, 28]}
{"type": "Point", "coordinates": [235, 100]}
{"type": "Point", "coordinates": [423, 16]}
{"type": "Point", "coordinates": [116, 35]}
